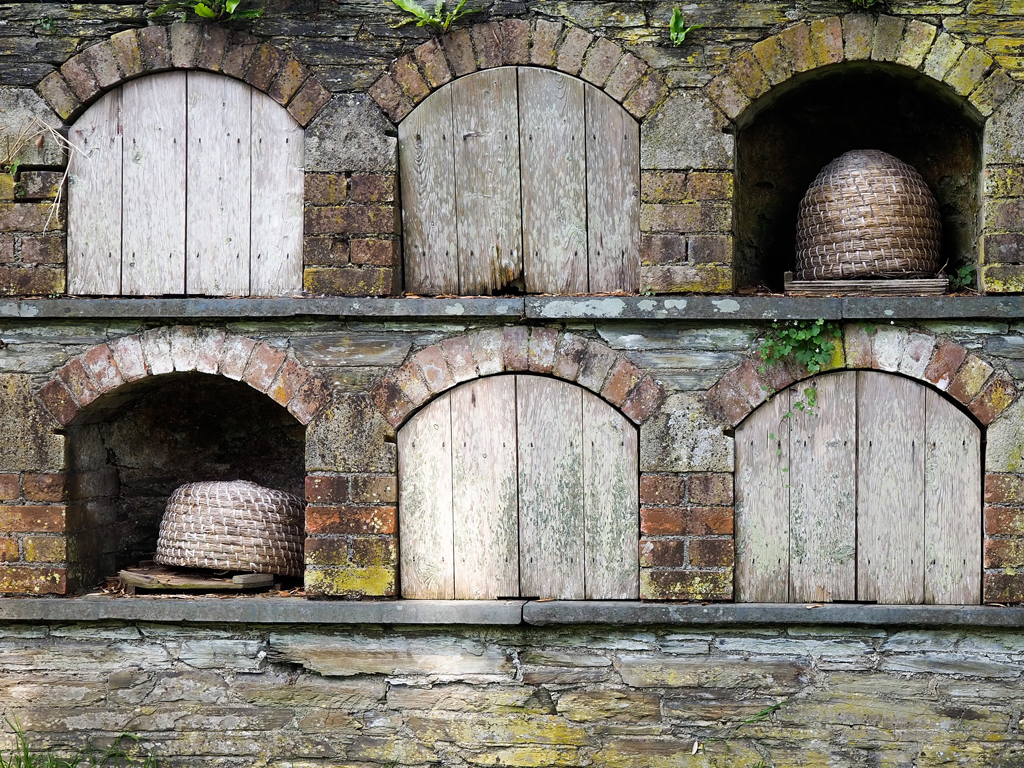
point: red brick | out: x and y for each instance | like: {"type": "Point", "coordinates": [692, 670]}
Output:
{"type": "Point", "coordinates": [375, 551]}
{"type": "Point", "coordinates": [58, 94]}
{"type": "Point", "coordinates": [827, 40]}
{"type": "Point", "coordinates": [541, 350]}
{"type": "Point", "coordinates": [459, 353]}
{"type": "Point", "coordinates": [58, 401]}
{"type": "Point", "coordinates": [31, 281]}
{"type": "Point", "coordinates": [209, 347]}
{"type": "Point", "coordinates": [78, 383]}
{"type": "Point", "coordinates": [10, 486]}
{"type": "Point", "coordinates": [626, 74]}
{"type": "Point", "coordinates": [288, 81]}
{"type": "Point", "coordinates": [459, 47]}
{"type": "Point", "coordinates": [643, 400]}
{"type": "Point", "coordinates": [711, 489]}
{"type": "Point", "coordinates": [1004, 588]}
{"type": "Point", "coordinates": [408, 77]}
{"type": "Point", "coordinates": [327, 551]}
{"type": "Point", "coordinates": [348, 281]}
{"type": "Point", "coordinates": [79, 76]}
{"type": "Point", "coordinates": [1004, 489]}
{"type": "Point", "coordinates": [947, 359]}
{"type": "Point", "coordinates": [970, 379]}
{"type": "Point", "coordinates": [45, 549]}
{"type": "Point", "coordinates": [373, 489]}
{"type": "Point", "coordinates": [325, 251]}
{"type": "Point", "coordinates": [99, 362]}
{"type": "Point", "coordinates": [266, 63]}
{"type": "Point", "coordinates": [128, 357]}
{"type": "Point", "coordinates": [184, 40]}
{"type": "Point", "coordinates": [746, 380]}
{"type": "Point", "coordinates": [156, 53]}
{"type": "Point", "coordinates": [125, 46]}
{"type": "Point", "coordinates": [623, 378]}
{"type": "Point", "coordinates": [545, 38]}
{"type": "Point", "coordinates": [1004, 553]}
{"type": "Point", "coordinates": [36, 581]}
{"type": "Point", "coordinates": [994, 399]}
{"type": "Point", "coordinates": [643, 98]}
{"type": "Point", "coordinates": [349, 519]}
{"type": "Point", "coordinates": [432, 62]}
{"type": "Point", "coordinates": [326, 489]}
{"type": "Point", "coordinates": [487, 42]}
{"type": "Point", "coordinates": [595, 366]}
{"type": "Point", "coordinates": [666, 553]}
{"type": "Point", "coordinates": [663, 249]}
{"type": "Point", "coordinates": [372, 188]}
{"type": "Point", "coordinates": [325, 188]}
{"type": "Point", "coordinates": [663, 187]}
{"type": "Point", "coordinates": [6, 249]}
{"type": "Point", "coordinates": [47, 486]}
{"type": "Point", "coordinates": [29, 217]}
{"type": "Point", "coordinates": [515, 348]}
{"type": "Point", "coordinates": [796, 41]}
{"type": "Point", "coordinates": [9, 550]}
{"type": "Point", "coordinates": [390, 98]}
{"type": "Point", "coordinates": [355, 219]}
{"type": "Point", "coordinates": [712, 553]}
{"type": "Point", "coordinates": [571, 51]}
{"type": "Point", "coordinates": [1004, 521]}
{"type": "Point", "coordinates": [238, 54]}
{"type": "Point", "coordinates": [729, 403]}
{"type": "Point", "coordinates": [686, 521]}
{"type": "Point", "coordinates": [662, 490]}
{"type": "Point", "coordinates": [32, 519]}
{"type": "Point", "coordinates": [515, 41]}
{"type": "Point", "coordinates": [288, 382]}
{"type": "Point", "coordinates": [709, 249]}
{"type": "Point", "coordinates": [686, 585]}
{"type": "Point", "coordinates": [44, 249]}
{"type": "Point", "coordinates": [263, 366]}
{"type": "Point", "coordinates": [603, 57]}
{"type": "Point", "coordinates": [568, 356]}
{"type": "Point", "coordinates": [234, 356]}
{"type": "Point", "coordinates": [434, 369]}
{"type": "Point", "coordinates": [213, 44]}
{"type": "Point", "coordinates": [311, 397]}
{"type": "Point", "coordinates": [392, 401]}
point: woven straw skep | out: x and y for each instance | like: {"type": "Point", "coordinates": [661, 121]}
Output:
{"type": "Point", "coordinates": [868, 214]}
{"type": "Point", "coordinates": [233, 526]}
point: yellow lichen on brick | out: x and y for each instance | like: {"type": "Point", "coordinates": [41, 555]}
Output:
{"type": "Point", "coordinates": [372, 582]}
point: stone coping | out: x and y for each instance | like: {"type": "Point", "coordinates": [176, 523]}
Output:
{"type": "Point", "coordinates": [533, 308]}
{"type": "Point", "coordinates": [271, 610]}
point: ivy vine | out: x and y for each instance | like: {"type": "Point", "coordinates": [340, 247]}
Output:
{"type": "Point", "coordinates": [811, 343]}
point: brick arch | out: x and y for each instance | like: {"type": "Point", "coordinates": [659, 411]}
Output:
{"type": "Point", "coordinates": [136, 52]}
{"type": "Point", "coordinates": [517, 349]}
{"type": "Point", "coordinates": [933, 360]}
{"type": "Point", "coordinates": [922, 47]}
{"type": "Point", "coordinates": [552, 45]}
{"type": "Point", "coordinates": [107, 367]}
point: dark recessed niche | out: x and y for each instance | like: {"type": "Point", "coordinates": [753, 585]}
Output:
{"type": "Point", "coordinates": [129, 453]}
{"type": "Point", "coordinates": [785, 139]}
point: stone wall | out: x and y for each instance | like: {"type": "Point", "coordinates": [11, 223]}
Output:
{"type": "Point", "coordinates": [301, 697]}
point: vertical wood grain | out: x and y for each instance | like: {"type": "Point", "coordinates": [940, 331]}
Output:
{"type": "Point", "coordinates": [425, 504]}
{"type": "Point", "coordinates": [484, 483]}
{"type": "Point", "coordinates": [487, 195]}
{"type": "Point", "coordinates": [94, 200]}
{"type": "Point", "coordinates": [890, 488]}
{"type": "Point", "coordinates": [611, 503]}
{"type": "Point", "coordinates": [953, 522]}
{"type": "Point", "coordinates": [823, 488]}
{"type": "Point", "coordinates": [551, 524]}
{"type": "Point", "coordinates": [219, 142]}
{"type": "Point", "coordinates": [762, 504]}
{"type": "Point", "coordinates": [613, 195]}
{"type": "Point", "coordinates": [552, 138]}
{"type": "Point", "coordinates": [426, 156]}
{"type": "Point", "coordinates": [153, 120]}
{"type": "Point", "coordinates": [277, 153]}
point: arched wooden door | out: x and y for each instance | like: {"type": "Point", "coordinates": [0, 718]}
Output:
{"type": "Point", "coordinates": [519, 486]}
{"type": "Point", "coordinates": [874, 495]}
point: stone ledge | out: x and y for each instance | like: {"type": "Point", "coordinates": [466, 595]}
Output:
{"type": "Point", "coordinates": [262, 610]}
{"type": "Point", "coordinates": [534, 308]}
{"type": "Point", "coordinates": [774, 614]}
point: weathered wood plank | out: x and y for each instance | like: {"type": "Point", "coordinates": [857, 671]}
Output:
{"type": "Point", "coordinates": [551, 526]}
{"type": "Point", "coordinates": [552, 139]}
{"type": "Point", "coordinates": [823, 488]}
{"type": "Point", "coordinates": [613, 195]}
{"type": "Point", "coordinates": [276, 224]}
{"type": "Point", "coordinates": [219, 142]}
{"type": "Point", "coordinates": [153, 120]}
{"type": "Point", "coordinates": [890, 488]}
{"type": "Point", "coordinates": [952, 509]}
{"type": "Point", "coordinates": [762, 504]}
{"type": "Point", "coordinates": [611, 503]}
{"type": "Point", "coordinates": [484, 482]}
{"type": "Point", "coordinates": [426, 157]}
{"type": "Point", "coordinates": [487, 195]}
{"type": "Point", "coordinates": [425, 530]}
{"type": "Point", "coordinates": [94, 200]}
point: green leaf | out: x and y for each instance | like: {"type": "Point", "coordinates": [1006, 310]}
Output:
{"type": "Point", "coordinates": [167, 7]}
{"type": "Point", "coordinates": [231, 5]}
{"type": "Point", "coordinates": [411, 6]}
{"type": "Point", "coordinates": [204, 11]}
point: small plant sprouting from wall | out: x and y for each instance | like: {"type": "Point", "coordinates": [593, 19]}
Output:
{"type": "Point", "coordinates": [810, 343]}
{"type": "Point", "coordinates": [864, 3]}
{"type": "Point", "coordinates": [439, 20]}
{"type": "Point", "coordinates": [215, 10]}
{"type": "Point", "coordinates": [115, 756]}
{"type": "Point", "coordinates": [677, 29]}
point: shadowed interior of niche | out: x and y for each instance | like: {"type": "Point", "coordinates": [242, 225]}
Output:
{"type": "Point", "coordinates": [128, 456]}
{"type": "Point", "coordinates": [788, 136]}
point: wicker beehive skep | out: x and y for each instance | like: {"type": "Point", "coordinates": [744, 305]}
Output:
{"type": "Point", "coordinates": [233, 526]}
{"type": "Point", "coordinates": [868, 214]}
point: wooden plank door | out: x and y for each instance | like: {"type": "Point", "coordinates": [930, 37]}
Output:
{"type": "Point", "coordinates": [487, 198]}
{"type": "Point", "coordinates": [153, 119]}
{"type": "Point", "coordinates": [823, 490]}
{"type": "Point", "coordinates": [890, 488]}
{"type": "Point", "coordinates": [276, 215]}
{"type": "Point", "coordinates": [219, 190]}
{"type": "Point", "coordinates": [613, 195]}
{"type": "Point", "coordinates": [425, 500]}
{"type": "Point", "coordinates": [611, 491]}
{"type": "Point", "coordinates": [485, 487]}
{"type": "Point", "coordinates": [552, 139]}
{"type": "Point", "coordinates": [94, 200]}
{"type": "Point", "coordinates": [762, 504]}
{"type": "Point", "coordinates": [952, 505]}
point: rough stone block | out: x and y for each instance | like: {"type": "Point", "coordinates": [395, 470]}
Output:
{"type": "Point", "coordinates": [888, 36]}
{"type": "Point", "coordinates": [684, 436]}
{"type": "Point", "coordinates": [350, 434]}
{"type": "Point", "coordinates": [686, 132]}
